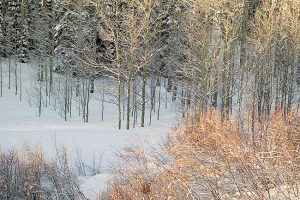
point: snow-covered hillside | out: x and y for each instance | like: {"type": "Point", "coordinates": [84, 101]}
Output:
{"type": "Point", "coordinates": [20, 123]}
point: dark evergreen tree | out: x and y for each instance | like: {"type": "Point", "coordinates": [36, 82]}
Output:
{"type": "Point", "coordinates": [12, 13]}
{"type": "Point", "coordinates": [49, 18]}
{"type": "Point", "coordinates": [38, 28]}
{"type": "Point", "coordinates": [22, 31]}
{"type": "Point", "coordinates": [1, 28]}
{"type": "Point", "coordinates": [75, 36]}
{"type": "Point", "coordinates": [65, 36]}
{"type": "Point", "coordinates": [172, 57]}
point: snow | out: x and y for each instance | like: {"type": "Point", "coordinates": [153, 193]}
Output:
{"type": "Point", "coordinates": [19, 123]}
{"type": "Point", "coordinates": [93, 186]}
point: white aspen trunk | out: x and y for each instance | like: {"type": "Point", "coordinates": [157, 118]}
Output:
{"type": "Point", "coordinates": [128, 104]}
{"type": "Point", "coordinates": [20, 83]}
{"type": "Point", "coordinates": [159, 99]}
{"type": "Point", "coordinates": [16, 77]}
{"type": "Point", "coordinates": [46, 83]}
{"type": "Point", "coordinates": [102, 106]}
{"type": "Point", "coordinates": [88, 100]}
{"type": "Point", "coordinates": [166, 97]}
{"type": "Point", "coordinates": [143, 98]}
{"type": "Point", "coordinates": [9, 72]}
{"type": "Point", "coordinates": [1, 80]}
{"type": "Point", "coordinates": [66, 97]}
{"type": "Point", "coordinates": [70, 98]}
{"type": "Point", "coordinates": [119, 103]}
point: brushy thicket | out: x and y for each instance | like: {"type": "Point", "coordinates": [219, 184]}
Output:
{"type": "Point", "coordinates": [27, 175]}
{"type": "Point", "coordinates": [213, 158]}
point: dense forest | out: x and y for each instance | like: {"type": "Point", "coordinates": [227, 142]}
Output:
{"type": "Point", "coordinates": [229, 55]}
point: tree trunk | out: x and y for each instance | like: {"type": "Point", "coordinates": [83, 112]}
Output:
{"type": "Point", "coordinates": [128, 104]}
{"type": "Point", "coordinates": [143, 98]}
{"type": "Point", "coordinates": [1, 80]}
{"type": "Point", "coordinates": [119, 103]}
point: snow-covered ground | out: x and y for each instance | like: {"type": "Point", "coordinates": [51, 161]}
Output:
{"type": "Point", "coordinates": [20, 123]}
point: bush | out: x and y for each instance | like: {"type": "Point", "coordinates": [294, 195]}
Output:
{"type": "Point", "coordinates": [27, 175]}
{"type": "Point", "coordinates": [209, 158]}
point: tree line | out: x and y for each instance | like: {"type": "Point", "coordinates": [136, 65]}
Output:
{"type": "Point", "coordinates": [228, 55]}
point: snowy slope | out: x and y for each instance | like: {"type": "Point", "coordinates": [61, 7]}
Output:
{"type": "Point", "coordinates": [19, 123]}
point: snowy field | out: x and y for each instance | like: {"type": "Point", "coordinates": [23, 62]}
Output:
{"type": "Point", "coordinates": [19, 124]}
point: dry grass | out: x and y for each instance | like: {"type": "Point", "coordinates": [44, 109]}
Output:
{"type": "Point", "coordinates": [206, 158]}
{"type": "Point", "coordinates": [28, 175]}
